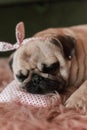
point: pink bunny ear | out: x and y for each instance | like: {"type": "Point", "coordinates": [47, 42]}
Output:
{"type": "Point", "coordinates": [20, 32]}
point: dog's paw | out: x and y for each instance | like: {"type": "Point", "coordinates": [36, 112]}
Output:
{"type": "Point", "coordinates": [76, 101]}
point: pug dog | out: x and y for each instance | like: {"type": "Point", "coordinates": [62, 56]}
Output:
{"type": "Point", "coordinates": [53, 60]}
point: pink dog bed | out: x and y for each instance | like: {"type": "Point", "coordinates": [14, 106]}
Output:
{"type": "Point", "coordinates": [20, 110]}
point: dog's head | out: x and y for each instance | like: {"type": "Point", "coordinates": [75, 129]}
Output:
{"type": "Point", "coordinates": [42, 65]}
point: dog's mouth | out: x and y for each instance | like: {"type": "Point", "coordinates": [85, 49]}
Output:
{"type": "Point", "coordinates": [41, 85]}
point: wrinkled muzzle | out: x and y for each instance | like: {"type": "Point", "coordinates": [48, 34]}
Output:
{"type": "Point", "coordinates": [41, 85]}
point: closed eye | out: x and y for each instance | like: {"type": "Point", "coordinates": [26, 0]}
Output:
{"type": "Point", "coordinates": [51, 69]}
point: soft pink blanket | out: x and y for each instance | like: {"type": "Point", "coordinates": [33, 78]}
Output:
{"type": "Point", "coordinates": [20, 110]}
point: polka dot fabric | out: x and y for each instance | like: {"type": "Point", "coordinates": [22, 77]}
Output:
{"type": "Point", "coordinates": [13, 92]}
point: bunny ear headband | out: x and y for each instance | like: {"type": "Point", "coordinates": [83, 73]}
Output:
{"type": "Point", "coordinates": [20, 34]}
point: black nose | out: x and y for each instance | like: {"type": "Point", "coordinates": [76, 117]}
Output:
{"type": "Point", "coordinates": [21, 77]}
{"type": "Point", "coordinates": [36, 79]}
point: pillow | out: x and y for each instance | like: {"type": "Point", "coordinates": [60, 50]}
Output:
{"type": "Point", "coordinates": [13, 92]}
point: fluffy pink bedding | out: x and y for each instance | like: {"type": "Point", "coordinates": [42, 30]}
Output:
{"type": "Point", "coordinates": [19, 116]}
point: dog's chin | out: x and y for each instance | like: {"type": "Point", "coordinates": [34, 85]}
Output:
{"type": "Point", "coordinates": [45, 86]}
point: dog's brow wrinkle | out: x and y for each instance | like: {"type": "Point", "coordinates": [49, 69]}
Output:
{"type": "Point", "coordinates": [55, 42]}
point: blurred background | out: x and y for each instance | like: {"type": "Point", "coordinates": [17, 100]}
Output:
{"type": "Point", "coordinates": [38, 15]}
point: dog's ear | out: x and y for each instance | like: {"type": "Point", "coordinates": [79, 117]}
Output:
{"type": "Point", "coordinates": [68, 44]}
{"type": "Point", "coordinates": [11, 61]}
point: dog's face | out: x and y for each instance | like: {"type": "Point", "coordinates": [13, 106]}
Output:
{"type": "Point", "coordinates": [42, 66]}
